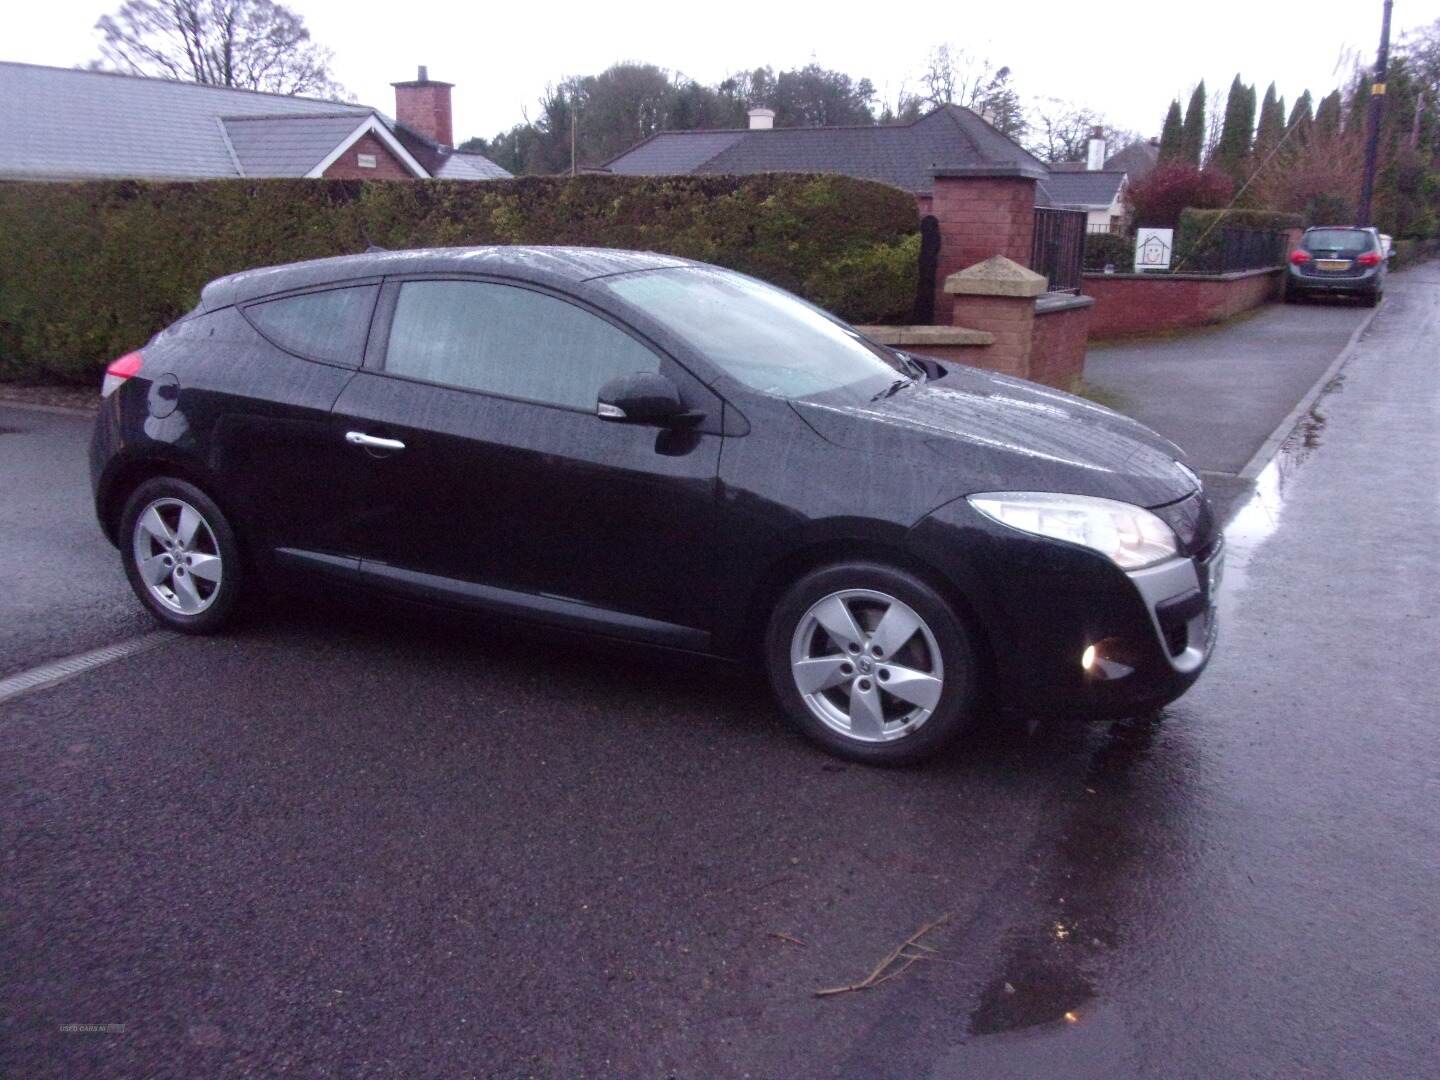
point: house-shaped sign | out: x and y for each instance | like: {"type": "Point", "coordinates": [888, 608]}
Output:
{"type": "Point", "coordinates": [1152, 249]}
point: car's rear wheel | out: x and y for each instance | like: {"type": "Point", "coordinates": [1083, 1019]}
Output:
{"type": "Point", "coordinates": [1373, 297]}
{"type": "Point", "coordinates": [872, 663]}
{"type": "Point", "coordinates": [180, 554]}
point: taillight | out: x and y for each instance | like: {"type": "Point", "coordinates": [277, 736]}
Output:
{"type": "Point", "coordinates": [119, 371]}
{"type": "Point", "coordinates": [1370, 258]}
{"type": "Point", "coordinates": [1299, 257]}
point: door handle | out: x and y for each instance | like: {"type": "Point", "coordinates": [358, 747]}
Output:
{"type": "Point", "coordinates": [373, 442]}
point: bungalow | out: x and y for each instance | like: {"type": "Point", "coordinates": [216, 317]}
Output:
{"type": "Point", "coordinates": [72, 124]}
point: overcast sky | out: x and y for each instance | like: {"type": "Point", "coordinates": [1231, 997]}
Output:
{"type": "Point", "coordinates": [1123, 58]}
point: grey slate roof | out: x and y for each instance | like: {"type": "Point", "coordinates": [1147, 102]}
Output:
{"type": "Point", "coordinates": [904, 155]}
{"type": "Point", "coordinates": [1137, 159]}
{"type": "Point", "coordinates": [69, 124]}
{"type": "Point", "coordinates": [1082, 190]}
{"type": "Point", "coordinates": [286, 145]}
{"type": "Point", "coordinates": [463, 165]}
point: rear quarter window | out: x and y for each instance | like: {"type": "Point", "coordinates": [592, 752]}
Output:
{"type": "Point", "coordinates": [330, 325]}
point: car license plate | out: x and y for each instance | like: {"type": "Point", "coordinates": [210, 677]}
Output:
{"type": "Point", "coordinates": [1333, 264]}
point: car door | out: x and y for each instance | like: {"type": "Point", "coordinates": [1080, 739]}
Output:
{"type": "Point", "coordinates": [494, 470]}
{"type": "Point", "coordinates": [262, 382]}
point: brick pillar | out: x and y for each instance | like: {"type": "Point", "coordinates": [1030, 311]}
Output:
{"type": "Point", "coordinates": [983, 210]}
{"type": "Point", "coordinates": [998, 297]}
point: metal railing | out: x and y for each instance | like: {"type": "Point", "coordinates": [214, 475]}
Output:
{"type": "Point", "coordinates": [1058, 248]}
{"type": "Point", "coordinates": [1116, 227]}
{"type": "Point", "coordinates": [1227, 251]}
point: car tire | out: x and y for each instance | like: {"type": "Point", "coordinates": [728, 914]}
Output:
{"type": "Point", "coordinates": [843, 694]}
{"type": "Point", "coordinates": [181, 556]}
{"type": "Point", "coordinates": [1373, 298]}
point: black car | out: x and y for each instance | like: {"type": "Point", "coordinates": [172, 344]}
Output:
{"type": "Point", "coordinates": [662, 451]}
{"type": "Point", "coordinates": [1332, 259]}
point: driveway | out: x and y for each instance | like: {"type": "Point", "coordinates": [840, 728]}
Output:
{"type": "Point", "coordinates": [1219, 393]}
{"type": "Point", "coordinates": [346, 841]}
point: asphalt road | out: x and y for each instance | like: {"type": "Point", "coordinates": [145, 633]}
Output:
{"type": "Point", "coordinates": [343, 841]}
{"type": "Point", "coordinates": [1217, 393]}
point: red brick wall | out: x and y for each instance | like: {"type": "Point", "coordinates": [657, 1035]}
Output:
{"type": "Point", "coordinates": [1140, 304]}
{"type": "Point", "coordinates": [1057, 352]}
{"type": "Point", "coordinates": [1010, 320]}
{"type": "Point", "coordinates": [425, 107]}
{"type": "Point", "coordinates": [979, 217]}
{"type": "Point", "coordinates": [387, 165]}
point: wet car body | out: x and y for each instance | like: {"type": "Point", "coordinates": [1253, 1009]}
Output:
{"type": "Point", "coordinates": [680, 536]}
{"type": "Point", "coordinates": [1330, 260]}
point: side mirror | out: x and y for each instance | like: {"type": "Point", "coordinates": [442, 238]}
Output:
{"type": "Point", "coordinates": [642, 397]}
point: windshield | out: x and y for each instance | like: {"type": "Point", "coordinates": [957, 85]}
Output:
{"type": "Point", "coordinates": [1349, 241]}
{"type": "Point", "coordinates": [759, 335]}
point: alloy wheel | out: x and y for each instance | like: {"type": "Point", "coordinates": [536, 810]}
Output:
{"type": "Point", "coordinates": [177, 556]}
{"type": "Point", "coordinates": [867, 665]}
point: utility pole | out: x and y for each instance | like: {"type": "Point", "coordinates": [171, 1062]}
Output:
{"type": "Point", "coordinates": [572, 126]}
{"type": "Point", "coordinates": [1377, 112]}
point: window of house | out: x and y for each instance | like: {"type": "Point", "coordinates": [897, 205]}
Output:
{"type": "Point", "coordinates": [503, 339]}
{"type": "Point", "coordinates": [329, 325]}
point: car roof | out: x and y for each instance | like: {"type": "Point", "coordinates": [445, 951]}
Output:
{"type": "Point", "coordinates": [556, 266]}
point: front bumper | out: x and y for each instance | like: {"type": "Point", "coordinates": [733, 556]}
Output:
{"type": "Point", "coordinates": [1043, 605]}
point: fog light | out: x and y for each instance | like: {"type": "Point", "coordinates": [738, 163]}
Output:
{"type": "Point", "coordinates": [1087, 658]}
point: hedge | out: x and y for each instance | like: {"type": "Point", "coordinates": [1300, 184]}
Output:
{"type": "Point", "coordinates": [1194, 223]}
{"type": "Point", "coordinates": [89, 271]}
{"type": "Point", "coordinates": [1110, 249]}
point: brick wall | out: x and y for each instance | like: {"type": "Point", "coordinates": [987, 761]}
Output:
{"type": "Point", "coordinates": [387, 165]}
{"type": "Point", "coordinates": [980, 216]}
{"type": "Point", "coordinates": [1144, 303]}
{"type": "Point", "coordinates": [1057, 352]}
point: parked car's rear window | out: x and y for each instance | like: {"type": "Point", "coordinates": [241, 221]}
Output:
{"type": "Point", "coordinates": [1345, 241]}
{"type": "Point", "coordinates": [329, 325]}
{"type": "Point", "coordinates": [760, 335]}
{"type": "Point", "coordinates": [506, 340]}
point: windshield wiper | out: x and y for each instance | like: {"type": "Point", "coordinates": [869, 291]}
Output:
{"type": "Point", "coordinates": [894, 388]}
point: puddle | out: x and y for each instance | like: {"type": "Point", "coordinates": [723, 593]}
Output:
{"type": "Point", "coordinates": [1043, 979]}
{"type": "Point", "coordinates": [1259, 517]}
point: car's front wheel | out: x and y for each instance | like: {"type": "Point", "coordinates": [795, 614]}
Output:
{"type": "Point", "coordinates": [180, 554]}
{"type": "Point", "coordinates": [872, 663]}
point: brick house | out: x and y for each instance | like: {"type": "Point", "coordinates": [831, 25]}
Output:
{"type": "Point", "coordinates": [70, 124]}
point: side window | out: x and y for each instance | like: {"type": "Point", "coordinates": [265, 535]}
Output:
{"type": "Point", "coordinates": [329, 325]}
{"type": "Point", "coordinates": [503, 339]}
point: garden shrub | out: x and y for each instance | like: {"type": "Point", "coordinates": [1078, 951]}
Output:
{"type": "Point", "coordinates": [89, 271]}
{"type": "Point", "coordinates": [1113, 249]}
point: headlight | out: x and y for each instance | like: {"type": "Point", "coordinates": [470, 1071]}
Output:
{"type": "Point", "coordinates": [1131, 536]}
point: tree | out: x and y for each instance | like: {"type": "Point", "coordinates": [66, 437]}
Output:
{"type": "Point", "coordinates": [1271, 127]}
{"type": "Point", "coordinates": [1172, 138]}
{"type": "Point", "coordinates": [250, 44]}
{"type": "Point", "coordinates": [1233, 151]}
{"type": "Point", "coordinates": [1192, 141]}
{"type": "Point", "coordinates": [1060, 131]}
{"type": "Point", "coordinates": [1157, 198]}
{"type": "Point", "coordinates": [1301, 117]}
{"type": "Point", "coordinates": [1327, 116]}
{"type": "Point", "coordinates": [814, 96]}
{"type": "Point", "coordinates": [954, 77]}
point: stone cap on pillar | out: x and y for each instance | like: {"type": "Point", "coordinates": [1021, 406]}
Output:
{"type": "Point", "coordinates": [997, 276]}
{"type": "Point", "coordinates": [999, 169]}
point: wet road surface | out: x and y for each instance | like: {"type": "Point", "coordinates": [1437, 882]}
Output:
{"type": "Point", "coordinates": [1217, 393]}
{"type": "Point", "coordinates": [347, 842]}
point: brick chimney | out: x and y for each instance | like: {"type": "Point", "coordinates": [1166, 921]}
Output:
{"type": "Point", "coordinates": [424, 106]}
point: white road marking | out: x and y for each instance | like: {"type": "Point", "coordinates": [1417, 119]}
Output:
{"type": "Point", "coordinates": [57, 671]}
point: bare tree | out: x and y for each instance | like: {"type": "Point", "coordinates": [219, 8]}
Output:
{"type": "Point", "coordinates": [1060, 131]}
{"type": "Point", "coordinates": [249, 44]}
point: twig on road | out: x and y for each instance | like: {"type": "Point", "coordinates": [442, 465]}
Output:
{"type": "Point", "coordinates": [787, 937]}
{"type": "Point", "coordinates": [886, 969]}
